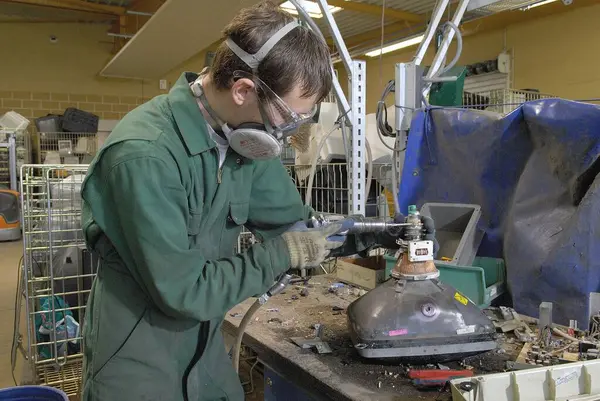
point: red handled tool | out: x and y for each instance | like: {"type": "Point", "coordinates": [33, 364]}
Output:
{"type": "Point", "coordinates": [436, 377]}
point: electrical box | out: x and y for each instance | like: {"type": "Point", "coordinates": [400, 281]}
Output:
{"type": "Point", "coordinates": [504, 63]}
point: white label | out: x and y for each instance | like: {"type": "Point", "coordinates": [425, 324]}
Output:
{"type": "Point", "coordinates": [493, 292]}
{"type": "Point", "coordinates": [420, 251]}
{"type": "Point", "coordinates": [466, 330]}
{"type": "Point", "coordinates": [162, 84]}
{"type": "Point", "coordinates": [566, 378]}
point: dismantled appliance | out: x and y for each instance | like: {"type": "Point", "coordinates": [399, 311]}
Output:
{"type": "Point", "coordinates": [413, 315]}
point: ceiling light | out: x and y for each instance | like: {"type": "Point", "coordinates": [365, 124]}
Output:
{"type": "Point", "coordinates": [311, 8]}
{"type": "Point", "coordinates": [396, 46]}
{"type": "Point", "coordinates": [534, 5]}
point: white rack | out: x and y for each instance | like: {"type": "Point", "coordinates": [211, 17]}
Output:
{"type": "Point", "coordinates": [14, 147]}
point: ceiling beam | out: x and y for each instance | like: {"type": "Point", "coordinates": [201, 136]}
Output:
{"type": "Point", "coordinates": [389, 30]}
{"type": "Point", "coordinates": [485, 24]}
{"type": "Point", "coordinates": [375, 10]}
{"type": "Point", "coordinates": [74, 5]}
{"type": "Point", "coordinates": [505, 18]}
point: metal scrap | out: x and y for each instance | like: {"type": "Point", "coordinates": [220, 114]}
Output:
{"type": "Point", "coordinates": [316, 342]}
{"type": "Point", "coordinates": [308, 343]}
{"type": "Point", "coordinates": [510, 321]}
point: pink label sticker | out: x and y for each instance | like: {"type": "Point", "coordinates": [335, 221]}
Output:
{"type": "Point", "coordinates": [399, 332]}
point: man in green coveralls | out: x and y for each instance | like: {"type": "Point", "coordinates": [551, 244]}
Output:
{"type": "Point", "coordinates": [165, 200]}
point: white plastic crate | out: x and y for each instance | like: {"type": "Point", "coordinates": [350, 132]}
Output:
{"type": "Point", "coordinates": [578, 381]}
{"type": "Point", "coordinates": [13, 121]}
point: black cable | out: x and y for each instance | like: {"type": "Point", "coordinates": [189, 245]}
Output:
{"type": "Point", "coordinates": [15, 328]}
{"type": "Point", "coordinates": [383, 128]}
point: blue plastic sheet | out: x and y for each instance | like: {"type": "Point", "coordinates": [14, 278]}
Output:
{"type": "Point", "coordinates": [535, 174]}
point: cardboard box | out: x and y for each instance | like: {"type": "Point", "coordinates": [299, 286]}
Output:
{"type": "Point", "coordinates": [362, 272]}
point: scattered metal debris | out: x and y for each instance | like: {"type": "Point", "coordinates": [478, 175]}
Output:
{"type": "Point", "coordinates": [337, 308]}
{"type": "Point", "coordinates": [274, 320]}
{"type": "Point", "coordinates": [273, 310]}
{"type": "Point", "coordinates": [237, 314]}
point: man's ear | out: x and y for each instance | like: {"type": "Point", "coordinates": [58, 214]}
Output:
{"type": "Point", "coordinates": [241, 91]}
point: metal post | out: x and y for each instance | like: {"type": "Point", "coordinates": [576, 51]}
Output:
{"type": "Point", "coordinates": [336, 34]}
{"type": "Point", "coordinates": [356, 164]}
{"type": "Point", "coordinates": [436, 17]}
{"type": "Point", "coordinates": [408, 87]}
{"type": "Point", "coordinates": [408, 81]}
{"type": "Point", "coordinates": [12, 161]}
{"type": "Point", "coordinates": [337, 88]}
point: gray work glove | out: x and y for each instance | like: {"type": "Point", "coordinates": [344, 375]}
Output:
{"type": "Point", "coordinates": [308, 247]}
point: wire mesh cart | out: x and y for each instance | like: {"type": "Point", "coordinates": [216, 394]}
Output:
{"type": "Point", "coordinates": [56, 274]}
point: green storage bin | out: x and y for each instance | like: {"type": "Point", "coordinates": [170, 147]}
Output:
{"type": "Point", "coordinates": [481, 283]}
{"type": "Point", "coordinates": [449, 94]}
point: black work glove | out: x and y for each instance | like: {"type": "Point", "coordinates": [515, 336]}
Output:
{"type": "Point", "coordinates": [388, 239]}
{"type": "Point", "coordinates": [361, 244]}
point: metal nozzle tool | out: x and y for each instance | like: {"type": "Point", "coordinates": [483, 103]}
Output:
{"type": "Point", "coordinates": [358, 224]}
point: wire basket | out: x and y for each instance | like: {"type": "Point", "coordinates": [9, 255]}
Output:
{"type": "Point", "coordinates": [57, 272]}
{"type": "Point", "coordinates": [501, 101]}
{"type": "Point", "coordinates": [66, 147]}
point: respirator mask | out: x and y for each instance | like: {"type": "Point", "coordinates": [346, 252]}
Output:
{"type": "Point", "coordinates": [251, 140]}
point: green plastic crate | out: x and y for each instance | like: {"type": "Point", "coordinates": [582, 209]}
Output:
{"type": "Point", "coordinates": [449, 94]}
{"type": "Point", "coordinates": [481, 283]}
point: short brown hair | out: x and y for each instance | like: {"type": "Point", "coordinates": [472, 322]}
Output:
{"type": "Point", "coordinates": [299, 57]}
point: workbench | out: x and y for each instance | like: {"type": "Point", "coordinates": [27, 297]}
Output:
{"type": "Point", "coordinates": [342, 374]}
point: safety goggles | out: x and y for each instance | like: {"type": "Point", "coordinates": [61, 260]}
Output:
{"type": "Point", "coordinates": [274, 109]}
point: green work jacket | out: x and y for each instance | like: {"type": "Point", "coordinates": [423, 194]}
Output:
{"type": "Point", "coordinates": [164, 220]}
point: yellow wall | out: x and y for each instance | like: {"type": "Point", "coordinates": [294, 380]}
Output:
{"type": "Point", "coordinates": [557, 55]}
{"type": "Point", "coordinates": [30, 62]}
{"type": "Point", "coordinates": [38, 77]}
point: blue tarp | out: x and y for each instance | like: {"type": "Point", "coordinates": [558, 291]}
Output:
{"type": "Point", "coordinates": [535, 174]}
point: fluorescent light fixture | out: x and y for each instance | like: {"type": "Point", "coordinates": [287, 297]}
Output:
{"type": "Point", "coordinates": [534, 5]}
{"type": "Point", "coordinates": [396, 46]}
{"type": "Point", "coordinates": [311, 8]}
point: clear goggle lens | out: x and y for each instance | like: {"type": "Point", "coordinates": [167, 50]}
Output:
{"type": "Point", "coordinates": [281, 117]}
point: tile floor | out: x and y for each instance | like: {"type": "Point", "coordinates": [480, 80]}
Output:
{"type": "Point", "coordinates": [10, 254]}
